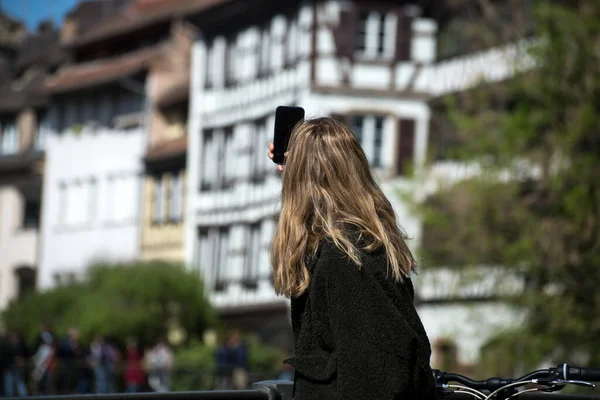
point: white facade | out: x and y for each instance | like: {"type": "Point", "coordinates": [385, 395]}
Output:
{"type": "Point", "coordinates": [18, 243]}
{"type": "Point", "coordinates": [91, 202]}
{"type": "Point", "coordinates": [234, 188]}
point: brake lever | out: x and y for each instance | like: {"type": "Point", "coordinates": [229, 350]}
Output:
{"type": "Point", "coordinates": [574, 382]}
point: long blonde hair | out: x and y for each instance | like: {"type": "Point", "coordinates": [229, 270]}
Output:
{"type": "Point", "coordinates": [327, 189]}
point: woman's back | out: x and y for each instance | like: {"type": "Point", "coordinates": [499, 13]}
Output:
{"type": "Point", "coordinates": [357, 334]}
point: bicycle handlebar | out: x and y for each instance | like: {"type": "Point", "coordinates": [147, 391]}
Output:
{"type": "Point", "coordinates": [585, 374]}
{"type": "Point", "coordinates": [562, 371]}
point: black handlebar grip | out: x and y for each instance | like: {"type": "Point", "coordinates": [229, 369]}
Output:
{"type": "Point", "coordinates": [584, 374]}
{"type": "Point", "coordinates": [590, 374]}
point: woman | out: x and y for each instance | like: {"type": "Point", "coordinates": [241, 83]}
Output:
{"type": "Point", "coordinates": [339, 255]}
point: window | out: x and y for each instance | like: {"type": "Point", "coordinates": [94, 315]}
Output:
{"type": "Point", "coordinates": [43, 131]}
{"type": "Point", "coordinates": [221, 255]}
{"type": "Point", "coordinates": [176, 195]}
{"type": "Point", "coordinates": [218, 170]}
{"type": "Point", "coordinates": [213, 252]}
{"type": "Point", "coordinates": [253, 250]}
{"type": "Point", "coordinates": [265, 53]}
{"type": "Point", "coordinates": [227, 159]}
{"type": "Point", "coordinates": [31, 214]}
{"type": "Point", "coordinates": [209, 166]}
{"type": "Point", "coordinates": [377, 142]}
{"type": "Point", "coordinates": [406, 146]}
{"type": "Point", "coordinates": [369, 133]}
{"type": "Point", "coordinates": [9, 139]}
{"type": "Point", "coordinates": [374, 29]}
{"type": "Point", "coordinates": [26, 277]}
{"type": "Point", "coordinates": [204, 253]}
{"type": "Point", "coordinates": [291, 45]}
{"type": "Point", "coordinates": [129, 103]}
{"type": "Point", "coordinates": [258, 143]}
{"type": "Point", "coordinates": [230, 62]}
{"type": "Point", "coordinates": [209, 76]}
{"type": "Point", "coordinates": [361, 34]}
{"type": "Point", "coordinates": [158, 200]}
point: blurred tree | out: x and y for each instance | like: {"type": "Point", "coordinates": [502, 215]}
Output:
{"type": "Point", "coordinates": [143, 299]}
{"type": "Point", "coordinates": [534, 203]}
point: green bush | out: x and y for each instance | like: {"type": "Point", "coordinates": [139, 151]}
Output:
{"type": "Point", "coordinates": [143, 299]}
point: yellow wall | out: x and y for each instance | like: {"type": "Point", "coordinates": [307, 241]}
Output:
{"type": "Point", "coordinates": [161, 241]}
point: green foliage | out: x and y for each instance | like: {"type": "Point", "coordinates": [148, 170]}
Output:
{"type": "Point", "coordinates": [195, 363]}
{"type": "Point", "coordinates": [263, 358]}
{"type": "Point", "coordinates": [536, 203]}
{"type": "Point", "coordinates": [145, 299]}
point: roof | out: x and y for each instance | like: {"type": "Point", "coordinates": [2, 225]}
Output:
{"type": "Point", "coordinates": [167, 150]}
{"type": "Point", "coordinates": [102, 71]}
{"type": "Point", "coordinates": [141, 14]}
{"type": "Point", "coordinates": [24, 92]}
{"type": "Point", "coordinates": [40, 49]}
{"type": "Point", "coordinates": [90, 13]}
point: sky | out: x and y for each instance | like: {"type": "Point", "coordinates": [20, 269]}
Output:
{"type": "Point", "coordinates": [31, 12]}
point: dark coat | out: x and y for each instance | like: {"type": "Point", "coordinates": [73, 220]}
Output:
{"type": "Point", "coordinates": [357, 334]}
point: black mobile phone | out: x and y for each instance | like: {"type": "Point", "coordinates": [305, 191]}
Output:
{"type": "Point", "coordinates": [286, 119]}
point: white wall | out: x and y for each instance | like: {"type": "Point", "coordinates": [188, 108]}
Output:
{"type": "Point", "coordinates": [469, 325]}
{"type": "Point", "coordinates": [18, 246]}
{"type": "Point", "coordinates": [99, 222]}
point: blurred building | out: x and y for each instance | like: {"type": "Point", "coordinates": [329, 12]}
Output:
{"type": "Point", "coordinates": [25, 61]}
{"type": "Point", "coordinates": [373, 65]}
{"type": "Point", "coordinates": [348, 60]}
{"type": "Point", "coordinates": [115, 163]}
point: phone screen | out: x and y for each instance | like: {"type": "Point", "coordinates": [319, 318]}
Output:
{"type": "Point", "coordinates": [286, 119]}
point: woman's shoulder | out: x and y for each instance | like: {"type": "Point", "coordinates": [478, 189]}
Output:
{"type": "Point", "coordinates": [333, 263]}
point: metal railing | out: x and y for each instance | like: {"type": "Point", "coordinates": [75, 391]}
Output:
{"type": "Point", "coordinates": [266, 390]}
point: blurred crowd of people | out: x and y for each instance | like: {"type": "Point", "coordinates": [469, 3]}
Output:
{"type": "Point", "coordinates": [65, 365]}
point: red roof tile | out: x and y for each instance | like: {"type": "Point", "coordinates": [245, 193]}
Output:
{"type": "Point", "coordinates": [102, 71]}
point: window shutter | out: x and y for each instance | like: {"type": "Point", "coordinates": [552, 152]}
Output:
{"type": "Point", "coordinates": [406, 145]}
{"type": "Point", "coordinates": [403, 36]}
{"type": "Point", "coordinates": [345, 33]}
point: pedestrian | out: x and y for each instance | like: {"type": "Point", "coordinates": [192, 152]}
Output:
{"type": "Point", "coordinates": [134, 373]}
{"type": "Point", "coordinates": [98, 361]}
{"type": "Point", "coordinates": [15, 358]}
{"type": "Point", "coordinates": [45, 363]}
{"type": "Point", "coordinates": [159, 363]}
{"type": "Point", "coordinates": [340, 256]}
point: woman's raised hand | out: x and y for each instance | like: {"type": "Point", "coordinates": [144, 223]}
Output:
{"type": "Point", "coordinates": [271, 155]}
